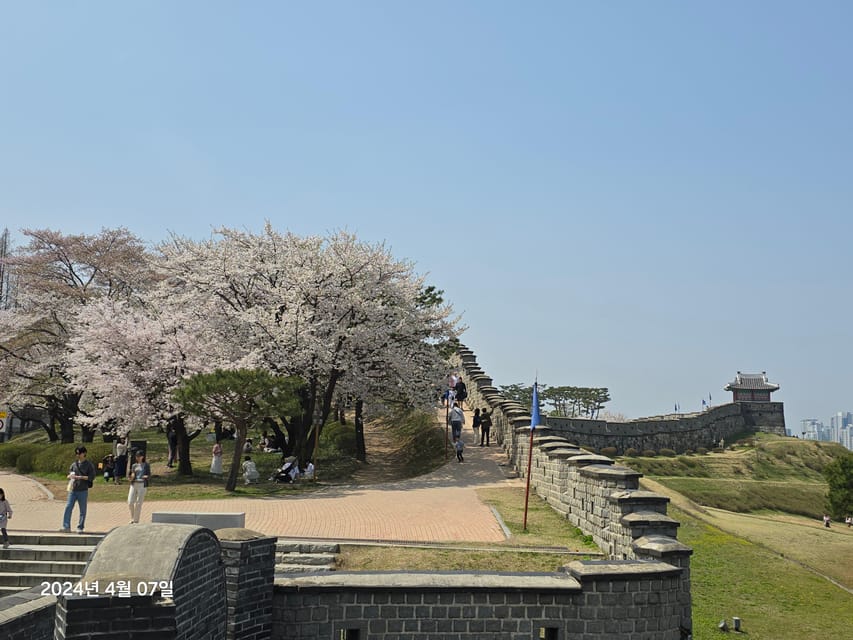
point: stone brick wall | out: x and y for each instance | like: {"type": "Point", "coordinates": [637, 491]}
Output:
{"type": "Point", "coordinates": [199, 579]}
{"type": "Point", "coordinates": [679, 433]}
{"type": "Point", "coordinates": [597, 496]}
{"type": "Point", "coordinates": [589, 601]}
{"type": "Point", "coordinates": [27, 615]}
{"type": "Point", "coordinates": [114, 618]}
{"type": "Point", "coordinates": [249, 560]}
{"type": "Point", "coordinates": [186, 557]}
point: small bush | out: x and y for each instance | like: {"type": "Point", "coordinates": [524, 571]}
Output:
{"type": "Point", "coordinates": [718, 450]}
{"type": "Point", "coordinates": [701, 451]}
{"type": "Point", "coordinates": [25, 462]}
{"type": "Point", "coordinates": [689, 452]}
{"type": "Point", "coordinates": [631, 452]}
{"type": "Point", "coordinates": [669, 453]}
{"type": "Point", "coordinates": [610, 452]}
{"type": "Point", "coordinates": [687, 462]}
{"type": "Point", "coordinates": [649, 453]}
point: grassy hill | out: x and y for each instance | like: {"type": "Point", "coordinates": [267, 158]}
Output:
{"type": "Point", "coordinates": [752, 515]}
{"type": "Point", "coordinates": [760, 473]}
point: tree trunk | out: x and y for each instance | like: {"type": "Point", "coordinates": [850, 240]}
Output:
{"type": "Point", "coordinates": [52, 436]}
{"type": "Point", "coordinates": [242, 429]}
{"type": "Point", "coordinates": [360, 449]}
{"type": "Point", "coordinates": [280, 441]}
{"type": "Point", "coordinates": [66, 429]}
{"type": "Point", "coordinates": [185, 467]}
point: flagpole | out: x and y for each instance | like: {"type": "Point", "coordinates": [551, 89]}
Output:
{"type": "Point", "coordinates": [527, 489]}
{"type": "Point", "coordinates": [534, 421]}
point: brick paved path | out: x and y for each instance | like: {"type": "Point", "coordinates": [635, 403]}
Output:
{"type": "Point", "coordinates": [438, 507]}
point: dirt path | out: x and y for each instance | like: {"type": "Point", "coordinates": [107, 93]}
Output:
{"type": "Point", "coordinates": [385, 462]}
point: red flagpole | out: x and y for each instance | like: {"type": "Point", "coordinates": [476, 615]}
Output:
{"type": "Point", "coordinates": [534, 422]}
{"type": "Point", "coordinates": [527, 490]}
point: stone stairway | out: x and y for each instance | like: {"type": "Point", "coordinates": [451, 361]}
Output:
{"type": "Point", "coordinates": [36, 558]}
{"type": "Point", "coordinates": [301, 556]}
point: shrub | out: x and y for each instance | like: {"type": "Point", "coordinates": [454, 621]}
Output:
{"type": "Point", "coordinates": [338, 436]}
{"type": "Point", "coordinates": [610, 452]}
{"type": "Point", "coordinates": [25, 463]}
{"type": "Point", "coordinates": [631, 452]}
{"type": "Point", "coordinates": [701, 451]}
{"type": "Point", "coordinates": [669, 453]}
{"type": "Point", "coordinates": [689, 452]}
{"type": "Point", "coordinates": [649, 453]}
{"type": "Point", "coordinates": [9, 455]}
{"type": "Point", "coordinates": [56, 458]}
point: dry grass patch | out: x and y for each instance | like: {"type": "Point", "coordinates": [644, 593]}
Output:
{"type": "Point", "coordinates": [807, 541]}
{"type": "Point", "coordinates": [389, 558]}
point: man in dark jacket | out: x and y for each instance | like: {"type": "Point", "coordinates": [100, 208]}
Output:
{"type": "Point", "coordinates": [81, 475]}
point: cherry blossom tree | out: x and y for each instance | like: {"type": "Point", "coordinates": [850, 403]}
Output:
{"type": "Point", "coordinates": [130, 356]}
{"type": "Point", "coordinates": [57, 275]}
{"type": "Point", "coordinates": [342, 314]}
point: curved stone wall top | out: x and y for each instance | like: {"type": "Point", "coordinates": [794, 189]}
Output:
{"type": "Point", "coordinates": [146, 552]}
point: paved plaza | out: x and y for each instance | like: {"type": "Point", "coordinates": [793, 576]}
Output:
{"type": "Point", "coordinates": [439, 507]}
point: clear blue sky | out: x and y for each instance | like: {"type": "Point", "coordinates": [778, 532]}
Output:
{"type": "Point", "coordinates": [647, 196]}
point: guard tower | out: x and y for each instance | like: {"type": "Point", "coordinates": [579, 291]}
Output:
{"type": "Point", "coordinates": [751, 387]}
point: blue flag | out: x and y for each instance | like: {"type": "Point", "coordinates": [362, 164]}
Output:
{"type": "Point", "coordinates": [535, 420]}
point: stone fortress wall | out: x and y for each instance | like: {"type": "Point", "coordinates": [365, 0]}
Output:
{"type": "Point", "coordinates": [681, 433]}
{"type": "Point", "coordinates": [596, 495]}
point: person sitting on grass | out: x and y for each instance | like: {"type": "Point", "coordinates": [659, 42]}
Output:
{"type": "Point", "coordinates": [285, 473]}
{"type": "Point", "coordinates": [108, 467]}
{"type": "Point", "coordinates": [250, 471]}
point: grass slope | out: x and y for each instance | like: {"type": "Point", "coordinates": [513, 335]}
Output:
{"type": "Point", "coordinates": [777, 599]}
{"type": "Point", "coordinates": [764, 472]}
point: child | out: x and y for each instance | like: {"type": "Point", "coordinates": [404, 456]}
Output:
{"type": "Point", "coordinates": [459, 446]}
{"type": "Point", "coordinates": [5, 514]}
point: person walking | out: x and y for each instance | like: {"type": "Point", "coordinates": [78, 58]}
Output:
{"type": "Point", "coordinates": [457, 419]}
{"type": "Point", "coordinates": [485, 427]}
{"type": "Point", "coordinates": [139, 475]}
{"type": "Point", "coordinates": [5, 515]}
{"type": "Point", "coordinates": [461, 391]}
{"type": "Point", "coordinates": [475, 424]}
{"type": "Point", "coordinates": [216, 463]}
{"type": "Point", "coordinates": [460, 447]}
{"type": "Point", "coordinates": [80, 476]}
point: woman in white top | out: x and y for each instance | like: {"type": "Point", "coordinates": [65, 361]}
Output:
{"type": "Point", "coordinates": [139, 474]}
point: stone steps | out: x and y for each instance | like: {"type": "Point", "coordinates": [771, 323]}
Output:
{"type": "Point", "coordinates": [298, 556]}
{"type": "Point", "coordinates": [34, 558]}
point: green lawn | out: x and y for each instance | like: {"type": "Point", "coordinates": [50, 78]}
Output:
{"type": "Point", "coordinates": [776, 598]}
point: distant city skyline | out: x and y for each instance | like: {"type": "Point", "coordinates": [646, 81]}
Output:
{"type": "Point", "coordinates": [840, 429]}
